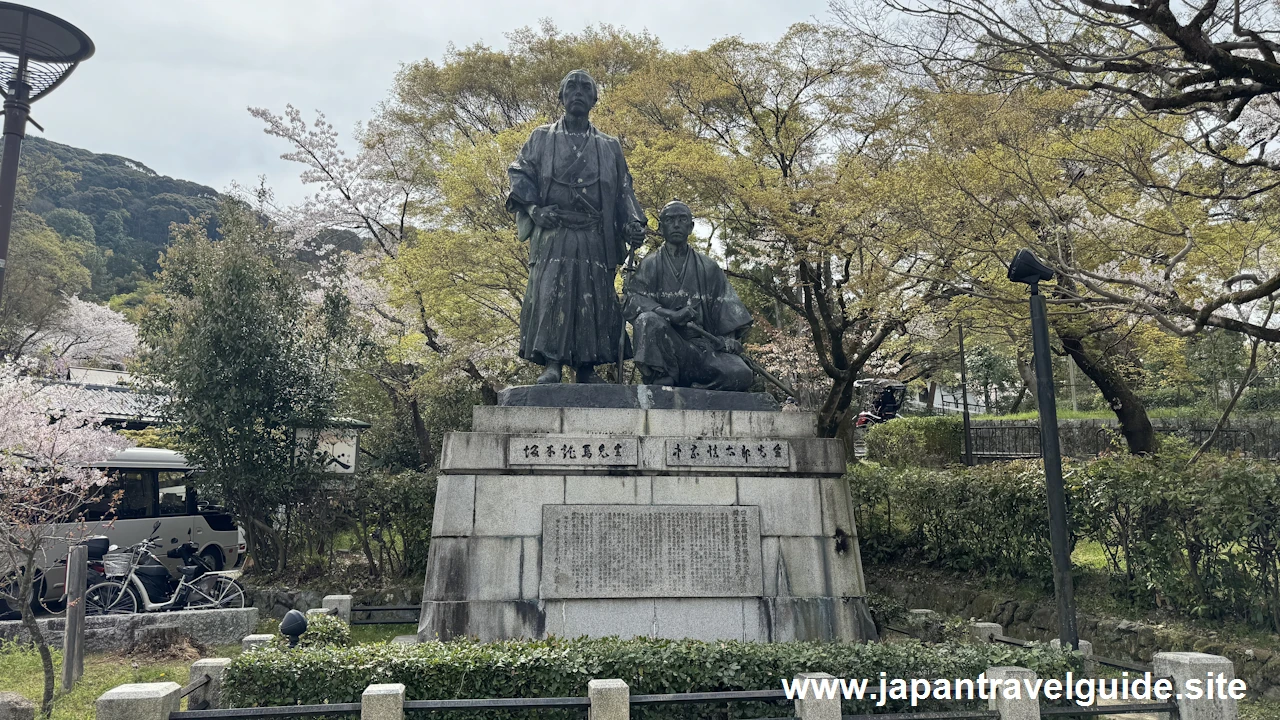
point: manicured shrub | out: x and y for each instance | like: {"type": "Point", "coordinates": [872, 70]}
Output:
{"type": "Point", "coordinates": [916, 441]}
{"type": "Point", "coordinates": [1202, 539]}
{"type": "Point", "coordinates": [989, 518]}
{"type": "Point", "coordinates": [561, 668]}
{"type": "Point", "coordinates": [322, 631]}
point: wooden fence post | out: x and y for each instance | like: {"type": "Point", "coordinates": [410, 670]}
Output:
{"type": "Point", "coordinates": [73, 638]}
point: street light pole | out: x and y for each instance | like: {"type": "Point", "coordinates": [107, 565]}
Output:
{"type": "Point", "coordinates": [1025, 268]}
{"type": "Point", "coordinates": [45, 49]}
{"type": "Point", "coordinates": [16, 110]}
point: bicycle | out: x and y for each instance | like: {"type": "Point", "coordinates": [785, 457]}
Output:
{"type": "Point", "coordinates": [145, 583]}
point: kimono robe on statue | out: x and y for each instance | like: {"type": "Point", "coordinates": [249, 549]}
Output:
{"type": "Point", "coordinates": [570, 314]}
{"type": "Point", "coordinates": [663, 280]}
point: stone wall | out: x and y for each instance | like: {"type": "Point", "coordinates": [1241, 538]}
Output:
{"type": "Point", "coordinates": [106, 633]}
{"type": "Point", "coordinates": [1111, 637]}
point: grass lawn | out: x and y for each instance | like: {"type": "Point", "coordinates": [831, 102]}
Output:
{"type": "Point", "coordinates": [20, 670]}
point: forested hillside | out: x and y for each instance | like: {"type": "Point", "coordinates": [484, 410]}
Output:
{"type": "Point", "coordinates": [120, 208]}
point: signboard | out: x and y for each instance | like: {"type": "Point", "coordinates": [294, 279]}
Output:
{"type": "Point", "coordinates": [336, 449]}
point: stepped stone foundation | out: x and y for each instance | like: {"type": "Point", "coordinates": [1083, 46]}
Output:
{"type": "Point", "coordinates": [632, 521]}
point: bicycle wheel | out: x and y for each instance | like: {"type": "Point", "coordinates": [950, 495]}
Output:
{"type": "Point", "coordinates": [215, 591]}
{"type": "Point", "coordinates": [110, 598]}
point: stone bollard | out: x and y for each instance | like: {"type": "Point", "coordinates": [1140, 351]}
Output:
{"type": "Point", "coordinates": [1086, 649]}
{"type": "Point", "coordinates": [985, 632]}
{"type": "Point", "coordinates": [319, 611]}
{"type": "Point", "coordinates": [610, 700]}
{"type": "Point", "coordinates": [814, 708]}
{"type": "Point", "coordinates": [16, 707]}
{"type": "Point", "coordinates": [1184, 666]}
{"type": "Point", "coordinates": [382, 702]}
{"type": "Point", "coordinates": [926, 624]}
{"type": "Point", "coordinates": [255, 641]}
{"type": "Point", "coordinates": [340, 605]}
{"type": "Point", "coordinates": [208, 697]}
{"type": "Point", "coordinates": [139, 701]}
{"type": "Point", "coordinates": [1024, 707]}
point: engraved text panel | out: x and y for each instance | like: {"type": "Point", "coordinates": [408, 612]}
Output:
{"type": "Point", "coordinates": [617, 551]}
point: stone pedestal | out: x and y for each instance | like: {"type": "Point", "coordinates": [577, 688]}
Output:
{"type": "Point", "coordinates": [676, 523]}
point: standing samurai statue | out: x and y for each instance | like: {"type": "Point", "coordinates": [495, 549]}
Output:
{"type": "Point", "coordinates": [572, 196]}
{"type": "Point", "coordinates": [676, 289]}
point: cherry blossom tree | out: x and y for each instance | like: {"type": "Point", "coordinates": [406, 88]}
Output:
{"type": "Point", "coordinates": [85, 332]}
{"type": "Point", "coordinates": [45, 480]}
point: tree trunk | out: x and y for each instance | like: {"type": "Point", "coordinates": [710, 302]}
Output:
{"type": "Point", "coordinates": [1129, 410]}
{"type": "Point", "coordinates": [422, 436]}
{"type": "Point", "coordinates": [836, 406]}
{"type": "Point", "coordinates": [928, 405]}
{"type": "Point", "coordinates": [25, 598]}
{"type": "Point", "coordinates": [1017, 403]}
{"type": "Point", "coordinates": [1026, 371]}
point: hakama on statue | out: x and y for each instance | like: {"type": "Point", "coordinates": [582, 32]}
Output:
{"type": "Point", "coordinates": [570, 314]}
{"type": "Point", "coordinates": [661, 348]}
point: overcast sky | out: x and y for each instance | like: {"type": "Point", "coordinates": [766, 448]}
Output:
{"type": "Point", "coordinates": [171, 79]}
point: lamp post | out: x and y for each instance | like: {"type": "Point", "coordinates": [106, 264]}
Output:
{"type": "Point", "coordinates": [964, 397]}
{"type": "Point", "coordinates": [37, 52]}
{"type": "Point", "coordinates": [1026, 269]}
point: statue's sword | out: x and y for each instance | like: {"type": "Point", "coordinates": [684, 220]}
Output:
{"type": "Point", "coordinates": [756, 367]}
{"type": "Point", "coordinates": [627, 271]}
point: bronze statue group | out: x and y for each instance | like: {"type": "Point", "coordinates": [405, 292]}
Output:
{"type": "Point", "coordinates": [572, 195]}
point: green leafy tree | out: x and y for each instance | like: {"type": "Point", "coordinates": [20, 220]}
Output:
{"type": "Point", "coordinates": [245, 361]}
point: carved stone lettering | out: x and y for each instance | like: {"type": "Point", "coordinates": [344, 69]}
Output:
{"type": "Point", "coordinates": [728, 452]}
{"type": "Point", "coordinates": [620, 551]}
{"type": "Point", "coordinates": [578, 451]}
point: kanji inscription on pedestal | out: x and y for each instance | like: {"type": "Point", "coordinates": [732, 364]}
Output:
{"type": "Point", "coordinates": [619, 551]}
{"type": "Point", "coordinates": [578, 451]}
{"type": "Point", "coordinates": [728, 452]}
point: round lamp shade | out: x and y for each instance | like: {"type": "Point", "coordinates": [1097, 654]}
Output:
{"type": "Point", "coordinates": [51, 47]}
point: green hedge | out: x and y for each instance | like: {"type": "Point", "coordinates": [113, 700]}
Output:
{"type": "Point", "coordinates": [934, 441]}
{"type": "Point", "coordinates": [1202, 539]}
{"type": "Point", "coordinates": [322, 631]}
{"type": "Point", "coordinates": [990, 518]}
{"type": "Point", "coordinates": [561, 668]}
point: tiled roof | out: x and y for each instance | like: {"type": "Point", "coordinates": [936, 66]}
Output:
{"type": "Point", "coordinates": [106, 401]}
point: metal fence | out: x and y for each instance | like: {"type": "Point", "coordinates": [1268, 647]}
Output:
{"type": "Point", "coordinates": [376, 614]}
{"type": "Point", "coordinates": [1006, 442]}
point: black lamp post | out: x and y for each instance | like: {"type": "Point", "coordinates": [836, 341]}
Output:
{"type": "Point", "coordinates": [37, 52]}
{"type": "Point", "coordinates": [964, 397]}
{"type": "Point", "coordinates": [1025, 268]}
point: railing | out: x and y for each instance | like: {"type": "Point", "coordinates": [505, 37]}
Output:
{"type": "Point", "coordinates": [1006, 442]}
{"type": "Point", "coordinates": [370, 609]}
{"type": "Point", "coordinates": [268, 712]}
{"type": "Point", "coordinates": [498, 703]}
{"type": "Point", "coordinates": [193, 686]}
{"type": "Point", "coordinates": [1156, 707]}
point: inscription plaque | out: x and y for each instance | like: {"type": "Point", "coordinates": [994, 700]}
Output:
{"type": "Point", "coordinates": [728, 453]}
{"type": "Point", "coordinates": [621, 551]}
{"type": "Point", "coordinates": [579, 451]}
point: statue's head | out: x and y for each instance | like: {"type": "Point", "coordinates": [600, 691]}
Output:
{"type": "Point", "coordinates": [578, 92]}
{"type": "Point", "coordinates": [675, 222]}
